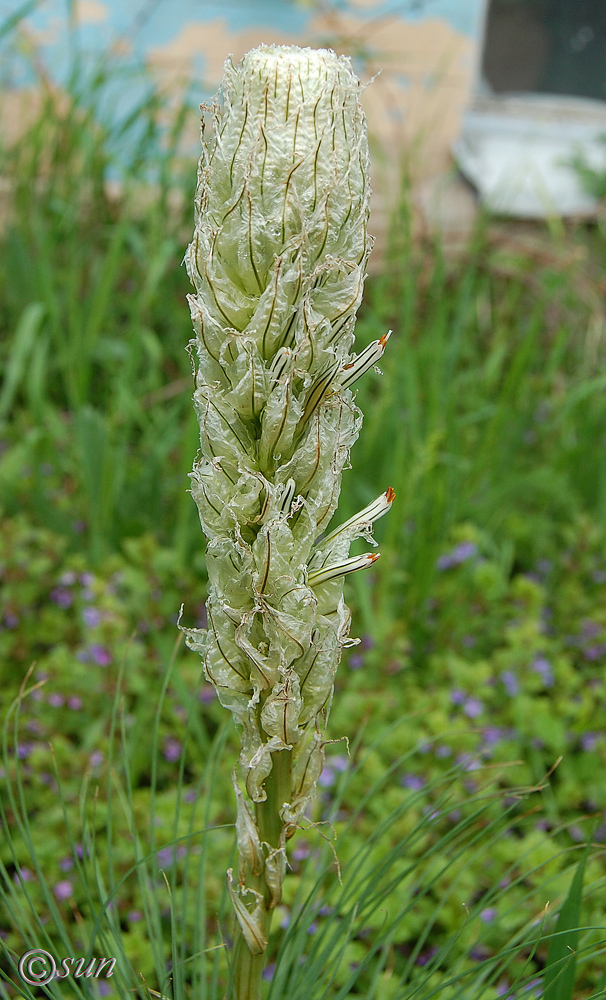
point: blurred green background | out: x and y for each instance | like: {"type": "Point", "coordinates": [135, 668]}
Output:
{"type": "Point", "coordinates": [483, 625]}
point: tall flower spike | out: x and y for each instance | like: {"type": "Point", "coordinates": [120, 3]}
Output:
{"type": "Point", "coordinates": [278, 261]}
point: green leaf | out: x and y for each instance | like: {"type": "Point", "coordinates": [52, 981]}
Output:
{"type": "Point", "coordinates": [561, 957]}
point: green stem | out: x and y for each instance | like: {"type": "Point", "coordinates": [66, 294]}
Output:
{"type": "Point", "coordinates": [248, 967]}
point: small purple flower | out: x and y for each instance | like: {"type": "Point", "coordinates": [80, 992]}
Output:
{"type": "Point", "coordinates": [426, 956]}
{"type": "Point", "coordinates": [134, 916]}
{"type": "Point", "coordinates": [599, 576]}
{"type": "Point", "coordinates": [24, 750]}
{"type": "Point", "coordinates": [68, 578]}
{"type": "Point", "coordinates": [414, 782]}
{"type": "Point", "coordinates": [595, 652]}
{"type": "Point", "coordinates": [473, 707]}
{"type": "Point", "coordinates": [269, 971]}
{"type": "Point", "coordinates": [443, 751]}
{"type": "Point", "coordinates": [327, 778]}
{"type": "Point", "coordinates": [468, 641]}
{"type": "Point", "coordinates": [56, 700]}
{"type": "Point", "coordinates": [455, 815]}
{"type": "Point", "coordinates": [96, 758]}
{"type": "Point", "coordinates": [190, 796]}
{"type": "Point", "coordinates": [62, 597]}
{"type": "Point", "coordinates": [172, 749]}
{"type": "Point", "coordinates": [207, 694]}
{"type": "Point", "coordinates": [104, 988]}
{"type": "Point", "coordinates": [576, 833]}
{"type": "Point", "coordinates": [63, 890]}
{"type": "Point", "coordinates": [589, 741]}
{"type": "Point", "coordinates": [543, 668]}
{"type": "Point", "coordinates": [24, 873]}
{"type": "Point", "coordinates": [339, 762]}
{"type": "Point", "coordinates": [35, 727]}
{"type": "Point", "coordinates": [510, 682]}
{"type": "Point", "coordinates": [11, 620]}
{"type": "Point", "coordinates": [166, 856]}
{"type": "Point", "coordinates": [457, 696]}
{"type": "Point", "coordinates": [301, 851]}
{"type": "Point", "coordinates": [74, 702]}
{"type": "Point", "coordinates": [285, 921]}
{"type": "Point", "coordinates": [100, 655]}
{"type": "Point", "coordinates": [488, 914]}
{"type": "Point", "coordinates": [87, 579]}
{"type": "Point", "coordinates": [312, 927]}
{"type": "Point", "coordinates": [492, 735]}
{"type": "Point", "coordinates": [356, 661]}
{"type": "Point", "coordinates": [66, 864]}
{"type": "Point", "coordinates": [92, 617]}
{"type": "Point", "coordinates": [460, 554]}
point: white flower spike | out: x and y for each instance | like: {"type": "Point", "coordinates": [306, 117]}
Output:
{"type": "Point", "coordinates": [278, 262]}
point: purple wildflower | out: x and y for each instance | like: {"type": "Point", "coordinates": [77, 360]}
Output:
{"type": "Point", "coordinates": [595, 652]}
{"type": "Point", "coordinates": [74, 702]}
{"type": "Point", "coordinates": [599, 576]}
{"type": "Point", "coordinates": [468, 641]}
{"type": "Point", "coordinates": [356, 661]}
{"type": "Point", "coordinates": [63, 890]}
{"type": "Point", "coordinates": [100, 655]}
{"type": "Point", "coordinates": [62, 597]}
{"type": "Point", "coordinates": [492, 735]}
{"type": "Point", "coordinates": [24, 874]}
{"type": "Point", "coordinates": [327, 778]}
{"type": "Point", "coordinates": [457, 696]}
{"type": "Point", "coordinates": [104, 988]}
{"type": "Point", "coordinates": [443, 750]}
{"type": "Point", "coordinates": [426, 956]}
{"type": "Point", "coordinates": [96, 758]}
{"type": "Point", "coordinates": [24, 750]}
{"type": "Point", "coordinates": [66, 864]}
{"type": "Point", "coordinates": [312, 927]}
{"type": "Point", "coordinates": [488, 914]}
{"type": "Point", "coordinates": [412, 781]}
{"type": "Point", "coordinates": [510, 682]}
{"type": "Point", "coordinates": [134, 916]}
{"type": "Point", "coordinates": [92, 617]}
{"type": "Point", "coordinates": [11, 620]}
{"type": "Point", "coordinates": [68, 578]}
{"type": "Point", "coordinates": [207, 694]}
{"type": "Point", "coordinates": [172, 749]}
{"type": "Point", "coordinates": [190, 796]}
{"type": "Point", "coordinates": [56, 700]}
{"type": "Point", "coordinates": [473, 707]}
{"type": "Point", "coordinates": [269, 971]}
{"type": "Point", "coordinates": [588, 741]}
{"type": "Point", "coordinates": [460, 554]}
{"type": "Point", "coordinates": [543, 668]}
{"type": "Point", "coordinates": [301, 851]}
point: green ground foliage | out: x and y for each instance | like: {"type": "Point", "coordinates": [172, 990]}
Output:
{"type": "Point", "coordinates": [475, 703]}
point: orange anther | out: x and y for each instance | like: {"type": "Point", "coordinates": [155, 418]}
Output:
{"type": "Point", "coordinates": [383, 340]}
{"type": "Point", "coordinates": [390, 494]}
{"type": "Point", "coordinates": [373, 556]}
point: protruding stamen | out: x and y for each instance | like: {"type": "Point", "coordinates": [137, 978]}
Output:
{"type": "Point", "coordinates": [373, 512]}
{"type": "Point", "coordinates": [354, 370]}
{"type": "Point", "coordinates": [342, 568]}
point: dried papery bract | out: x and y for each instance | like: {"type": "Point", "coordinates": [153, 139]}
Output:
{"type": "Point", "coordinates": [278, 261]}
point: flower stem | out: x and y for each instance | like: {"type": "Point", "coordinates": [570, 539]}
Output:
{"type": "Point", "coordinates": [248, 967]}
